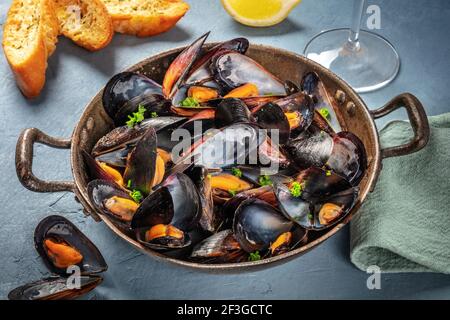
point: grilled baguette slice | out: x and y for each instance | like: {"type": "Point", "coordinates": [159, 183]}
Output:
{"type": "Point", "coordinates": [145, 18]}
{"type": "Point", "coordinates": [85, 22]}
{"type": "Point", "coordinates": [29, 38]}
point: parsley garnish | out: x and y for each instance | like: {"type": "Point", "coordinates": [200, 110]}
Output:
{"type": "Point", "coordinates": [236, 172]}
{"type": "Point", "coordinates": [136, 195]}
{"type": "Point", "coordinates": [265, 180]}
{"type": "Point", "coordinates": [310, 216]}
{"type": "Point", "coordinates": [154, 115]}
{"type": "Point", "coordinates": [190, 102]}
{"type": "Point", "coordinates": [254, 256]}
{"type": "Point", "coordinates": [328, 173]}
{"type": "Point", "coordinates": [325, 113]}
{"type": "Point", "coordinates": [137, 117]}
{"type": "Point", "coordinates": [232, 192]}
{"type": "Point", "coordinates": [296, 189]}
{"type": "Point", "coordinates": [129, 184]}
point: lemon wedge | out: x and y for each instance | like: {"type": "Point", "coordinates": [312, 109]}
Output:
{"type": "Point", "coordinates": [259, 13]}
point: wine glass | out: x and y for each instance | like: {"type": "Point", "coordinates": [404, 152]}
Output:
{"type": "Point", "coordinates": [365, 60]}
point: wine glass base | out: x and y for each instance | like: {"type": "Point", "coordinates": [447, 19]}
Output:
{"type": "Point", "coordinates": [370, 65]}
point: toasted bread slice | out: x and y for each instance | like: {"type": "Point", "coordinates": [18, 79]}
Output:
{"type": "Point", "coordinates": [145, 18]}
{"type": "Point", "coordinates": [85, 22]}
{"type": "Point", "coordinates": [29, 37]}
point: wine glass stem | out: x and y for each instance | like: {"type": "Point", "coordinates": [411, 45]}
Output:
{"type": "Point", "coordinates": [353, 39]}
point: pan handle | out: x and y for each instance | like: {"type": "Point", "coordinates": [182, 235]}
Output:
{"type": "Point", "coordinates": [417, 118]}
{"type": "Point", "coordinates": [24, 161]}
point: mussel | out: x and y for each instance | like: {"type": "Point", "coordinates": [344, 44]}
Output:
{"type": "Point", "coordinates": [169, 213]}
{"type": "Point", "coordinates": [209, 220]}
{"type": "Point", "coordinates": [61, 244]}
{"type": "Point", "coordinates": [343, 153]}
{"type": "Point", "coordinates": [231, 111]}
{"type": "Point", "coordinates": [257, 225]}
{"type": "Point", "coordinates": [180, 67]}
{"type": "Point", "coordinates": [221, 247]}
{"type": "Point", "coordinates": [317, 199]}
{"type": "Point", "coordinates": [112, 201]}
{"type": "Point", "coordinates": [232, 70]}
{"type": "Point", "coordinates": [125, 86]}
{"type": "Point", "coordinates": [63, 248]}
{"type": "Point", "coordinates": [54, 288]}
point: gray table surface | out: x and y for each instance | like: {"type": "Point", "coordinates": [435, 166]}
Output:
{"type": "Point", "coordinates": [419, 30]}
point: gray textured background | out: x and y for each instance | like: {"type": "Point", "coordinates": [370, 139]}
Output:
{"type": "Point", "coordinates": [419, 30]}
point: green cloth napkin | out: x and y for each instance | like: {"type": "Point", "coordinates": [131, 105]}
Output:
{"type": "Point", "coordinates": [404, 225]}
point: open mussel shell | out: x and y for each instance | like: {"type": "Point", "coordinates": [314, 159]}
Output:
{"type": "Point", "coordinates": [272, 118]}
{"type": "Point", "coordinates": [100, 191]}
{"type": "Point", "coordinates": [124, 87]}
{"type": "Point", "coordinates": [95, 169]}
{"type": "Point", "coordinates": [117, 157]}
{"type": "Point", "coordinates": [54, 288]}
{"type": "Point", "coordinates": [301, 103]}
{"type": "Point", "coordinates": [310, 149]}
{"type": "Point", "coordinates": [235, 144]}
{"type": "Point", "coordinates": [319, 183]}
{"type": "Point", "coordinates": [141, 163]}
{"type": "Point", "coordinates": [231, 111]}
{"type": "Point", "coordinates": [180, 67]}
{"type": "Point", "coordinates": [348, 157]}
{"type": "Point", "coordinates": [312, 85]}
{"type": "Point", "coordinates": [209, 221]}
{"type": "Point", "coordinates": [121, 136]}
{"type": "Point", "coordinates": [153, 104]}
{"type": "Point", "coordinates": [343, 153]}
{"type": "Point", "coordinates": [221, 247]}
{"type": "Point", "coordinates": [257, 225]}
{"type": "Point", "coordinates": [60, 230]}
{"type": "Point", "coordinates": [318, 187]}
{"type": "Point", "coordinates": [232, 70]}
{"type": "Point", "coordinates": [175, 203]}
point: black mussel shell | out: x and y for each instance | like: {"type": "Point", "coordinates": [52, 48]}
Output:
{"type": "Point", "coordinates": [54, 288]}
{"type": "Point", "coordinates": [272, 118]}
{"type": "Point", "coordinates": [233, 145]}
{"type": "Point", "coordinates": [312, 85]}
{"type": "Point", "coordinates": [310, 82]}
{"type": "Point", "coordinates": [221, 247]}
{"type": "Point", "coordinates": [180, 67]}
{"type": "Point", "coordinates": [141, 163]}
{"type": "Point", "coordinates": [302, 103]}
{"type": "Point", "coordinates": [101, 190]}
{"type": "Point", "coordinates": [231, 111]}
{"type": "Point", "coordinates": [154, 104]}
{"type": "Point", "coordinates": [232, 70]}
{"type": "Point", "coordinates": [176, 202]}
{"type": "Point", "coordinates": [291, 87]}
{"type": "Point", "coordinates": [124, 87]}
{"type": "Point", "coordinates": [264, 193]}
{"type": "Point", "coordinates": [348, 157]}
{"type": "Point", "coordinates": [116, 158]}
{"type": "Point", "coordinates": [94, 168]}
{"type": "Point", "coordinates": [320, 183]}
{"type": "Point", "coordinates": [310, 149]}
{"type": "Point", "coordinates": [163, 243]}
{"type": "Point", "coordinates": [209, 221]}
{"type": "Point", "coordinates": [124, 135]}
{"type": "Point", "coordinates": [257, 224]}
{"type": "Point", "coordinates": [62, 230]}
{"type": "Point", "coordinates": [318, 189]}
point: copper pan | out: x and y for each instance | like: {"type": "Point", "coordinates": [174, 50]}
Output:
{"type": "Point", "coordinates": [352, 113]}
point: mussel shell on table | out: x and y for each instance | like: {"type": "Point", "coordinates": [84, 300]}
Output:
{"type": "Point", "coordinates": [62, 230]}
{"type": "Point", "coordinates": [54, 288]}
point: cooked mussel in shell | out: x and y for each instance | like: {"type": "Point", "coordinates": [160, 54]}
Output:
{"type": "Point", "coordinates": [61, 245]}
